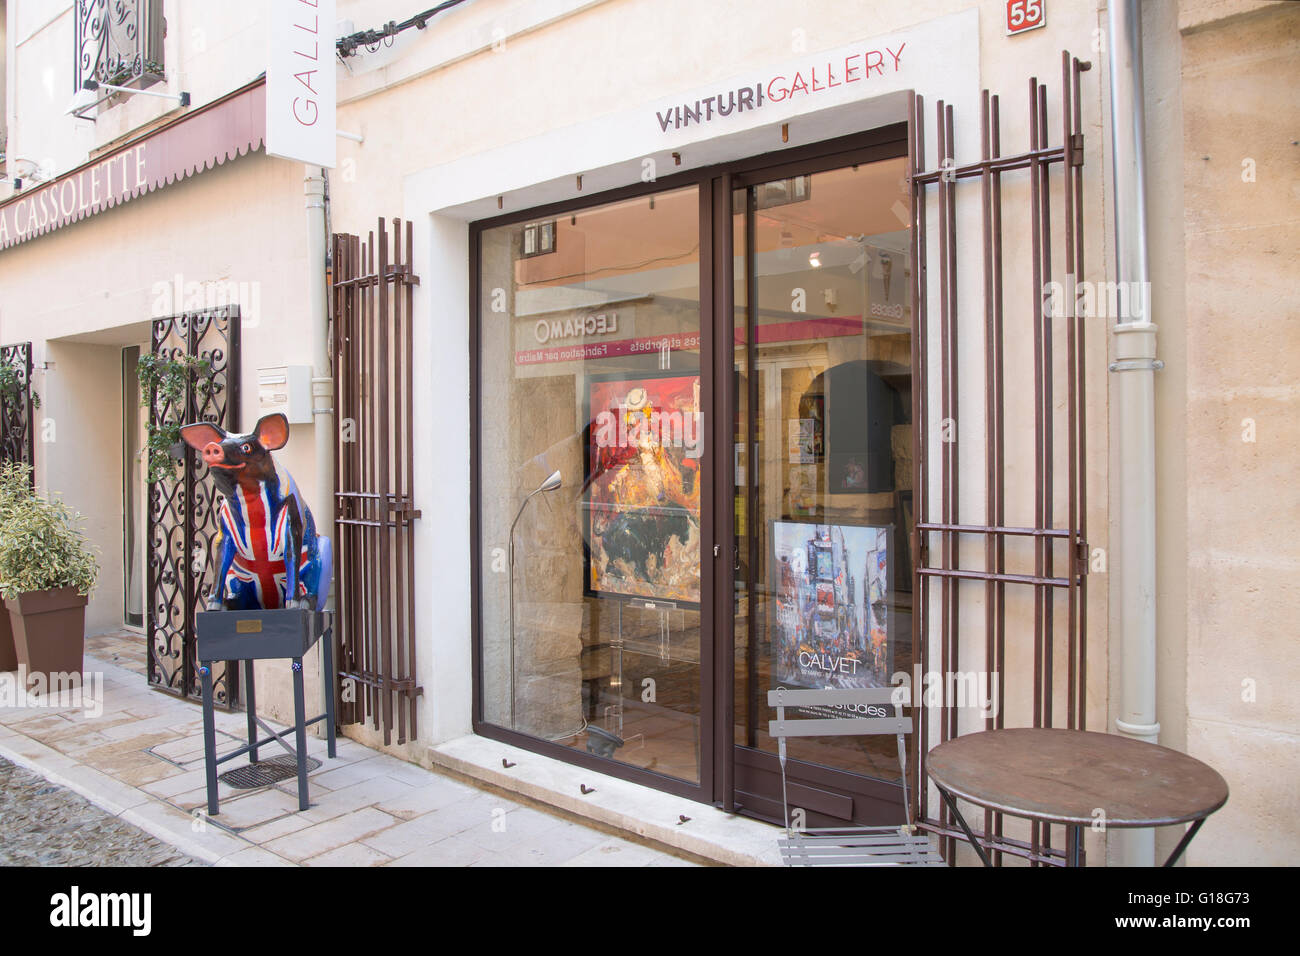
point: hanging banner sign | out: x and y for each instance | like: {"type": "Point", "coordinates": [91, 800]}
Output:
{"type": "Point", "coordinates": [300, 82]}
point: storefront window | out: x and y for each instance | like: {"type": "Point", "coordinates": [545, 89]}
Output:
{"type": "Point", "coordinates": [589, 369]}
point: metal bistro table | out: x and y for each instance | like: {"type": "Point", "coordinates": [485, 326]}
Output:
{"type": "Point", "coordinates": [1066, 776]}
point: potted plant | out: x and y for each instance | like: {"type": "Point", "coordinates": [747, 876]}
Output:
{"type": "Point", "coordinates": [47, 571]}
{"type": "Point", "coordinates": [15, 486]}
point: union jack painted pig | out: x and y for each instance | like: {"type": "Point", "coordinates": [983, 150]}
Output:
{"type": "Point", "coordinates": [264, 520]}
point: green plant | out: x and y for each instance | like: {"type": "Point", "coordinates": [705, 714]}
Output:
{"type": "Point", "coordinates": [15, 486]}
{"type": "Point", "coordinates": [42, 545]}
{"type": "Point", "coordinates": [163, 382]}
{"type": "Point", "coordinates": [11, 386]}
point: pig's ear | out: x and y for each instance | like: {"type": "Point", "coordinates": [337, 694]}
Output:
{"type": "Point", "coordinates": [272, 431]}
{"type": "Point", "coordinates": [201, 434]}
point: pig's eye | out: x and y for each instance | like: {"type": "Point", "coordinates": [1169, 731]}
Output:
{"type": "Point", "coordinates": [246, 449]}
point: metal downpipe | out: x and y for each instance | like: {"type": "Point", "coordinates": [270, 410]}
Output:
{"type": "Point", "coordinates": [1133, 390]}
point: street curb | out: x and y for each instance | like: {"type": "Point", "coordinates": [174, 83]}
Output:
{"type": "Point", "coordinates": [131, 815]}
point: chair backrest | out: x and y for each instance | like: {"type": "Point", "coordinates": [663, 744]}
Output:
{"type": "Point", "coordinates": [878, 715]}
{"type": "Point", "coordinates": [875, 711]}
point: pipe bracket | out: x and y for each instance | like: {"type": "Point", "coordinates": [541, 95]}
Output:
{"type": "Point", "coordinates": [1137, 365]}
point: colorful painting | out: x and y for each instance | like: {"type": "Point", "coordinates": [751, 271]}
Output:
{"type": "Point", "coordinates": [831, 605]}
{"type": "Point", "coordinates": [643, 487]}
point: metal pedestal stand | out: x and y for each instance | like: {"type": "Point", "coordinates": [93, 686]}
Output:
{"type": "Point", "coordinates": [265, 635]}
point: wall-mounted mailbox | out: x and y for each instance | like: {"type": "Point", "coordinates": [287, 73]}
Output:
{"type": "Point", "coordinates": [285, 389]}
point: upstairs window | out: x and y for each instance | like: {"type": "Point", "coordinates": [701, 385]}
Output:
{"type": "Point", "coordinates": [119, 42]}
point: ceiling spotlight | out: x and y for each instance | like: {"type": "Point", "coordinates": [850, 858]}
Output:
{"type": "Point", "coordinates": [815, 260]}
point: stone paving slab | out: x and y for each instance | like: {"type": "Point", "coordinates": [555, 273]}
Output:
{"type": "Point", "coordinates": [135, 758]}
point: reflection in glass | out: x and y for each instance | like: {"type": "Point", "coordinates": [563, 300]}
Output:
{"type": "Point", "coordinates": [589, 366]}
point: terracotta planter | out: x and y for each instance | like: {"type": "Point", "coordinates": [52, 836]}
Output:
{"type": "Point", "coordinates": [49, 629]}
{"type": "Point", "coordinates": [8, 655]}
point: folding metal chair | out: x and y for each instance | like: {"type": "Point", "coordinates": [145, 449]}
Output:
{"type": "Point", "coordinates": [847, 846]}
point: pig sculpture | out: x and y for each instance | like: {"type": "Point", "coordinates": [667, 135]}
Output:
{"type": "Point", "coordinates": [271, 556]}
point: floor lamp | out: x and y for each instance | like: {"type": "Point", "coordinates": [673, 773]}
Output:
{"type": "Point", "coordinates": [550, 484]}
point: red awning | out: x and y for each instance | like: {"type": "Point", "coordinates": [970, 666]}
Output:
{"type": "Point", "coordinates": [202, 139]}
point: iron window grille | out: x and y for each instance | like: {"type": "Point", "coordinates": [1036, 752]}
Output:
{"type": "Point", "coordinates": [118, 42]}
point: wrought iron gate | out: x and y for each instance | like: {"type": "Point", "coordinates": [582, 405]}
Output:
{"type": "Point", "coordinates": [17, 404]}
{"type": "Point", "coordinates": [1059, 551]}
{"type": "Point", "coordinates": [182, 514]}
{"type": "Point", "coordinates": [374, 480]}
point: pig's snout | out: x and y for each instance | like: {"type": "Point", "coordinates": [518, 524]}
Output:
{"type": "Point", "coordinates": [213, 455]}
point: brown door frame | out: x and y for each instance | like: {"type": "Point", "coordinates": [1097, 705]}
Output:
{"type": "Point", "coordinates": [717, 327]}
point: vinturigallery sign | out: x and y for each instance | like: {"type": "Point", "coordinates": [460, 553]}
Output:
{"type": "Point", "coordinates": [806, 78]}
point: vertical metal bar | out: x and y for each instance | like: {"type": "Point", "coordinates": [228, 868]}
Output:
{"type": "Point", "coordinates": [1036, 313]}
{"type": "Point", "coordinates": [385, 497]}
{"type": "Point", "coordinates": [327, 672]}
{"type": "Point", "coordinates": [342, 603]}
{"type": "Point", "coordinates": [1049, 411]}
{"type": "Point", "coordinates": [300, 732]}
{"type": "Point", "coordinates": [954, 393]}
{"type": "Point", "coordinates": [1083, 417]}
{"type": "Point", "coordinates": [209, 738]}
{"type": "Point", "coordinates": [250, 709]}
{"type": "Point", "coordinates": [948, 398]}
{"type": "Point", "coordinates": [999, 446]}
{"type": "Point", "coordinates": [990, 411]}
{"type": "Point", "coordinates": [398, 500]}
{"type": "Point", "coordinates": [1071, 388]}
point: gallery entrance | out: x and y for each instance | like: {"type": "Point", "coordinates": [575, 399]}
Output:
{"type": "Point", "coordinates": [692, 471]}
{"type": "Point", "coordinates": [822, 477]}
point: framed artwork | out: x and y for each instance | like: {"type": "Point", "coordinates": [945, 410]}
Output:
{"type": "Point", "coordinates": [831, 586]}
{"type": "Point", "coordinates": [642, 489]}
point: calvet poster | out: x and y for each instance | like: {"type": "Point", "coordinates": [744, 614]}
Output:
{"type": "Point", "coordinates": [643, 487]}
{"type": "Point", "coordinates": [831, 618]}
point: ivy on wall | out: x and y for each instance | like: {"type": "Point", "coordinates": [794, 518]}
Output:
{"type": "Point", "coordinates": [164, 379]}
{"type": "Point", "coordinates": [11, 386]}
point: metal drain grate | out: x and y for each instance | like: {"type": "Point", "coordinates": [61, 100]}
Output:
{"type": "Point", "coordinates": [265, 772]}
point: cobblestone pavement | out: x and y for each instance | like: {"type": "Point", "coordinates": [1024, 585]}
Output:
{"type": "Point", "coordinates": [46, 825]}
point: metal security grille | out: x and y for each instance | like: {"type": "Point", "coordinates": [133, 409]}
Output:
{"type": "Point", "coordinates": [182, 512]}
{"type": "Point", "coordinates": [1048, 556]}
{"type": "Point", "coordinates": [374, 556]}
{"type": "Point", "coordinates": [119, 42]}
{"type": "Point", "coordinates": [16, 404]}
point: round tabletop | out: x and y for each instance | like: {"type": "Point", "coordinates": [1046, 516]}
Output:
{"type": "Point", "coordinates": [1065, 776]}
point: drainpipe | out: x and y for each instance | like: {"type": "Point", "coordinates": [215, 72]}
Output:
{"type": "Point", "coordinates": [1133, 391]}
{"type": "Point", "coordinates": [322, 382]}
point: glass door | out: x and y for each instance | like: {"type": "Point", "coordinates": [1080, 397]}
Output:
{"type": "Point", "coordinates": [823, 474]}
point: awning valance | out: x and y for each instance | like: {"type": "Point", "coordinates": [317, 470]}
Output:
{"type": "Point", "coordinates": [202, 139]}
